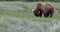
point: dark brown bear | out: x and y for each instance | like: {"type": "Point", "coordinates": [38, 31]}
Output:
{"type": "Point", "coordinates": [44, 8]}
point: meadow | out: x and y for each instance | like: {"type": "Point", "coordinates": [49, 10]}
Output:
{"type": "Point", "coordinates": [18, 17]}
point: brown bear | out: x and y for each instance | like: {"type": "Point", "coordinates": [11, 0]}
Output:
{"type": "Point", "coordinates": [44, 8]}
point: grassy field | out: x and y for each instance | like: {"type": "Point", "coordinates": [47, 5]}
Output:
{"type": "Point", "coordinates": [18, 17]}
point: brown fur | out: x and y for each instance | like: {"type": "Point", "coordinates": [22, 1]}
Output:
{"type": "Point", "coordinates": [44, 8]}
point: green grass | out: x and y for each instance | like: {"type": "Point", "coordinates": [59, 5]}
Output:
{"type": "Point", "coordinates": [25, 13]}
